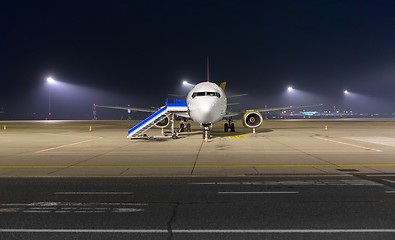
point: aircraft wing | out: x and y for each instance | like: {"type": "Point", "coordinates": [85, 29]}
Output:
{"type": "Point", "coordinates": [150, 110]}
{"type": "Point", "coordinates": [287, 108]}
{"type": "Point", "coordinates": [181, 96]}
{"type": "Point", "coordinates": [182, 114]}
{"type": "Point", "coordinates": [233, 114]}
{"type": "Point", "coordinates": [237, 95]}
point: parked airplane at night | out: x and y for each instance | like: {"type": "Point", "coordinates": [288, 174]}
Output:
{"type": "Point", "coordinates": [206, 104]}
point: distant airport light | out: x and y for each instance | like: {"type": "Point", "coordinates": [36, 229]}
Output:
{"type": "Point", "coordinates": [290, 89]}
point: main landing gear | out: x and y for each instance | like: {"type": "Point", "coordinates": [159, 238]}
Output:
{"type": "Point", "coordinates": [185, 127]}
{"type": "Point", "coordinates": [229, 126]}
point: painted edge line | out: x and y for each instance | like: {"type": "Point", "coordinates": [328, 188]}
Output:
{"type": "Point", "coordinates": [191, 165]}
{"type": "Point", "coordinates": [93, 193]}
{"type": "Point", "coordinates": [258, 192]}
{"type": "Point", "coordinates": [197, 231]}
{"type": "Point", "coordinates": [67, 145]}
{"type": "Point", "coordinates": [349, 144]}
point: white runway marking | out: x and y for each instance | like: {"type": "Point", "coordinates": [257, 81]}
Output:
{"type": "Point", "coordinates": [390, 181]}
{"type": "Point", "coordinates": [258, 192]}
{"type": "Point", "coordinates": [358, 182]}
{"type": "Point", "coordinates": [389, 191]}
{"type": "Point", "coordinates": [9, 210]}
{"type": "Point", "coordinates": [93, 193]}
{"type": "Point", "coordinates": [45, 204]}
{"type": "Point", "coordinates": [198, 231]}
{"type": "Point", "coordinates": [35, 211]}
{"type": "Point", "coordinates": [349, 144]}
{"type": "Point", "coordinates": [68, 145]}
{"type": "Point", "coordinates": [376, 140]}
{"type": "Point", "coordinates": [70, 207]}
{"type": "Point", "coordinates": [380, 175]}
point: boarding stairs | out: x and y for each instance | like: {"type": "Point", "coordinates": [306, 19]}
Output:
{"type": "Point", "coordinates": [178, 106]}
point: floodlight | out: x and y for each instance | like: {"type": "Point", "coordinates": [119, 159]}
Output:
{"type": "Point", "coordinates": [50, 80]}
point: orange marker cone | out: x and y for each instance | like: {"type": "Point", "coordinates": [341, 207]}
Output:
{"type": "Point", "coordinates": [90, 128]}
{"type": "Point", "coordinates": [253, 131]}
{"type": "Point", "coordinates": [326, 128]}
{"type": "Point", "coordinates": [5, 128]}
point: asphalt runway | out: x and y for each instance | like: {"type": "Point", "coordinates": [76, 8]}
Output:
{"type": "Point", "coordinates": [358, 206]}
{"type": "Point", "coordinates": [68, 148]}
{"type": "Point", "coordinates": [297, 179]}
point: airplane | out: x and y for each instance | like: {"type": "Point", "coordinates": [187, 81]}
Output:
{"type": "Point", "coordinates": [206, 103]}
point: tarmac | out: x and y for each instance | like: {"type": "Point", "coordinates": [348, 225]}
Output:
{"type": "Point", "coordinates": [57, 148]}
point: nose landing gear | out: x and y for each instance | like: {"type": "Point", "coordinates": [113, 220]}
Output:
{"type": "Point", "coordinates": [206, 131]}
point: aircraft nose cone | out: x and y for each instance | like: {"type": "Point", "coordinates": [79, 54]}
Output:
{"type": "Point", "coordinates": [205, 108]}
{"type": "Point", "coordinates": [202, 112]}
{"type": "Point", "coordinates": [206, 111]}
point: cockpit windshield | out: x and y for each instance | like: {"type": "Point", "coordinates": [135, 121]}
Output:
{"type": "Point", "coordinates": [211, 94]}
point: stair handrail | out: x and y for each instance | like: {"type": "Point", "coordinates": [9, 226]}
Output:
{"type": "Point", "coordinates": [153, 116]}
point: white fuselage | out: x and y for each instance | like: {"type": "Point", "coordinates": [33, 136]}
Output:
{"type": "Point", "coordinates": [206, 103]}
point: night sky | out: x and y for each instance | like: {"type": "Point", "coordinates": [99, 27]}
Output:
{"type": "Point", "coordinates": [137, 52]}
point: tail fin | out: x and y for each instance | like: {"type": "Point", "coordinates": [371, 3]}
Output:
{"type": "Point", "coordinates": [223, 85]}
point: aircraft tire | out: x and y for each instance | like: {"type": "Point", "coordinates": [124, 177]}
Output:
{"type": "Point", "coordinates": [226, 127]}
{"type": "Point", "coordinates": [232, 127]}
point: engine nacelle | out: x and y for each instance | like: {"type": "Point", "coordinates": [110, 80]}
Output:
{"type": "Point", "coordinates": [164, 123]}
{"type": "Point", "coordinates": [252, 119]}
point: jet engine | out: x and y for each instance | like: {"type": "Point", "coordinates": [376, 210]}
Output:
{"type": "Point", "coordinates": [164, 123]}
{"type": "Point", "coordinates": [252, 119]}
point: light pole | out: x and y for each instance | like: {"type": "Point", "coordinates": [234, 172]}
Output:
{"type": "Point", "coordinates": [50, 81]}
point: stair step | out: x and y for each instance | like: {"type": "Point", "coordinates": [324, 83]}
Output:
{"type": "Point", "coordinates": [149, 122]}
